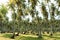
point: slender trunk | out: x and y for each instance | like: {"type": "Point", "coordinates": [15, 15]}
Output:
{"type": "Point", "coordinates": [40, 35]}
{"type": "Point", "coordinates": [51, 31]}
{"type": "Point", "coordinates": [13, 36]}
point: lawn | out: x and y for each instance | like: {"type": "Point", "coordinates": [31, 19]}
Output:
{"type": "Point", "coordinates": [56, 36]}
{"type": "Point", "coordinates": [34, 37]}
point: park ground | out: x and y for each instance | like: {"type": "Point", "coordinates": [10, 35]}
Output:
{"type": "Point", "coordinates": [6, 36]}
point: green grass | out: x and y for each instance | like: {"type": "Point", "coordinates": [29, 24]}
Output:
{"type": "Point", "coordinates": [34, 37]}
{"type": "Point", "coordinates": [45, 37]}
{"type": "Point", "coordinates": [7, 35]}
{"type": "Point", "coordinates": [28, 38]}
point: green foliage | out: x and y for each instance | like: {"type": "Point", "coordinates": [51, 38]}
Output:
{"type": "Point", "coordinates": [3, 10]}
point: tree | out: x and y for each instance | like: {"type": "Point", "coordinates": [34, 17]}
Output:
{"type": "Point", "coordinates": [21, 9]}
{"type": "Point", "coordinates": [3, 12]}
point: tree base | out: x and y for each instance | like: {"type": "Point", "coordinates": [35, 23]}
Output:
{"type": "Point", "coordinates": [47, 32]}
{"type": "Point", "coordinates": [17, 34]}
{"type": "Point", "coordinates": [39, 36]}
{"type": "Point", "coordinates": [13, 36]}
{"type": "Point", "coordinates": [51, 34]}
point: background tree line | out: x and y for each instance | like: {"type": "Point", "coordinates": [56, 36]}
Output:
{"type": "Point", "coordinates": [22, 8]}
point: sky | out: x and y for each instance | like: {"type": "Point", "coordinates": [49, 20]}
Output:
{"type": "Point", "coordinates": [3, 1]}
{"type": "Point", "coordinates": [37, 7]}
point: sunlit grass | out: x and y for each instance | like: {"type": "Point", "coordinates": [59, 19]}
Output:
{"type": "Point", "coordinates": [7, 35]}
{"type": "Point", "coordinates": [27, 38]}
{"type": "Point", "coordinates": [34, 37]}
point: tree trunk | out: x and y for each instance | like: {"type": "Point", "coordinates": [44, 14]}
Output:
{"type": "Point", "coordinates": [51, 34]}
{"type": "Point", "coordinates": [13, 36]}
{"type": "Point", "coordinates": [40, 35]}
{"type": "Point", "coordinates": [17, 34]}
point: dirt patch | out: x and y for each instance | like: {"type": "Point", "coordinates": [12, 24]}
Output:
{"type": "Point", "coordinates": [3, 38]}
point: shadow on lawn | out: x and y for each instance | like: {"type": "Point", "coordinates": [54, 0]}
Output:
{"type": "Point", "coordinates": [56, 37]}
{"type": "Point", "coordinates": [52, 37]}
{"type": "Point", "coordinates": [28, 38]}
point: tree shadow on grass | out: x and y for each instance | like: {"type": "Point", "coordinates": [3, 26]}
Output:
{"type": "Point", "coordinates": [46, 35]}
{"type": "Point", "coordinates": [29, 38]}
{"type": "Point", "coordinates": [52, 37]}
{"type": "Point", "coordinates": [56, 37]}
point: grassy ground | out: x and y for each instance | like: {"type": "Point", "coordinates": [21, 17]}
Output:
{"type": "Point", "coordinates": [56, 36]}
{"type": "Point", "coordinates": [4, 38]}
{"type": "Point", "coordinates": [33, 37]}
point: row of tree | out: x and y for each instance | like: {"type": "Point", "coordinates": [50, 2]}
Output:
{"type": "Point", "coordinates": [22, 8]}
